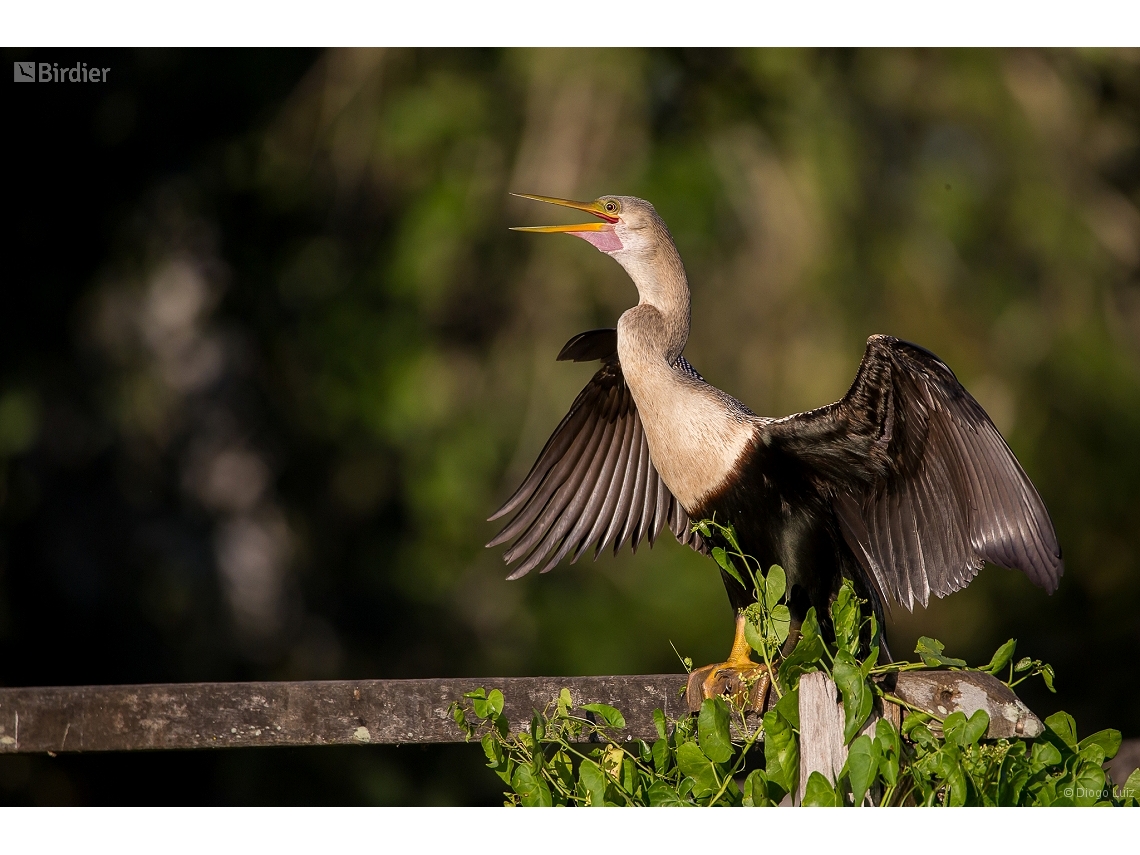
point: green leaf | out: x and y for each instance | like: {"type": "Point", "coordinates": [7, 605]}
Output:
{"type": "Point", "coordinates": [951, 771]}
{"type": "Point", "coordinates": [662, 757]}
{"type": "Point", "coordinates": [856, 694]}
{"type": "Point", "coordinates": [1109, 740]}
{"type": "Point", "coordinates": [1044, 754]}
{"type": "Point", "coordinates": [563, 767]}
{"type": "Point", "coordinates": [845, 617]}
{"type": "Point", "coordinates": [722, 558]}
{"type": "Point", "coordinates": [756, 790]}
{"type": "Point", "coordinates": [685, 788]}
{"type": "Point", "coordinates": [531, 788]}
{"type": "Point", "coordinates": [952, 727]}
{"type": "Point", "coordinates": [807, 653]}
{"type": "Point", "coordinates": [495, 701]}
{"type": "Point", "coordinates": [913, 720]}
{"type": "Point", "coordinates": [862, 765]}
{"type": "Point", "coordinates": [659, 723]}
{"type": "Point", "coordinates": [730, 536]}
{"type": "Point", "coordinates": [483, 708]}
{"type": "Point", "coordinates": [695, 765]}
{"type": "Point", "coordinates": [781, 753]}
{"type": "Point", "coordinates": [1130, 792]}
{"type": "Point", "coordinates": [1013, 776]}
{"type": "Point", "coordinates": [876, 637]}
{"type": "Point", "coordinates": [930, 651]}
{"type": "Point", "coordinates": [807, 656]}
{"type": "Point", "coordinates": [593, 781]}
{"type": "Point", "coordinates": [1062, 724]}
{"type": "Point", "coordinates": [1047, 675]}
{"type": "Point", "coordinates": [820, 793]}
{"type": "Point", "coordinates": [1089, 783]}
{"type": "Point", "coordinates": [492, 749]}
{"type": "Point", "coordinates": [459, 716]}
{"type": "Point", "coordinates": [691, 760]}
{"type": "Point", "coordinates": [976, 727]}
{"type": "Point", "coordinates": [713, 730]}
{"type": "Point", "coordinates": [789, 707]}
{"type": "Point", "coordinates": [1002, 656]}
{"type": "Point", "coordinates": [810, 626]}
{"type": "Point", "coordinates": [565, 703]}
{"type": "Point", "coordinates": [481, 705]}
{"type": "Point", "coordinates": [1023, 665]}
{"type": "Point", "coordinates": [664, 794]}
{"type": "Point", "coordinates": [496, 758]}
{"type": "Point", "coordinates": [644, 752]}
{"type": "Point", "coordinates": [775, 584]}
{"type": "Point", "coordinates": [781, 623]}
{"type": "Point", "coordinates": [630, 777]}
{"type": "Point", "coordinates": [890, 749]}
{"type": "Point", "coordinates": [608, 714]}
{"type": "Point", "coordinates": [962, 731]}
{"type": "Point", "coordinates": [1092, 753]}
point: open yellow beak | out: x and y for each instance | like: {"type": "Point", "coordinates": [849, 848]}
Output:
{"type": "Point", "coordinates": [594, 208]}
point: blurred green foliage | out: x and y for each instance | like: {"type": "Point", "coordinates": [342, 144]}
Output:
{"type": "Point", "coordinates": [311, 359]}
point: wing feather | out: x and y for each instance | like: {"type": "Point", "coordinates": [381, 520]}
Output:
{"type": "Point", "coordinates": [593, 482]}
{"type": "Point", "coordinates": [924, 487]}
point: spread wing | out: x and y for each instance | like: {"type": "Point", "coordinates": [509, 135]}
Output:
{"type": "Point", "coordinates": [925, 488]}
{"type": "Point", "coordinates": [593, 482]}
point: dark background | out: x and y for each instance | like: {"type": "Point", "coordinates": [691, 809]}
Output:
{"type": "Point", "coordinates": [269, 357]}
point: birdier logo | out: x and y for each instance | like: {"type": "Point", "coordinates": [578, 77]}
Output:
{"type": "Point", "coordinates": [50, 72]}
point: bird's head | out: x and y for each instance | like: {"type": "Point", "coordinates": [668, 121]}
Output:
{"type": "Point", "coordinates": [631, 232]}
{"type": "Point", "coordinates": [629, 228]}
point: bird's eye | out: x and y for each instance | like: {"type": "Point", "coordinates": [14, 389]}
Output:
{"type": "Point", "coordinates": [611, 207]}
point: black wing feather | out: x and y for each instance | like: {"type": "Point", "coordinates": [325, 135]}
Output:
{"type": "Point", "coordinates": [593, 481]}
{"type": "Point", "coordinates": [925, 488]}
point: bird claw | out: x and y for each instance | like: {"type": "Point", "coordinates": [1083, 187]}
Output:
{"type": "Point", "coordinates": [746, 682]}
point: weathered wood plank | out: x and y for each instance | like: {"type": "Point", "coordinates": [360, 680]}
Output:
{"type": "Point", "coordinates": [943, 692]}
{"type": "Point", "coordinates": [346, 712]}
{"type": "Point", "coordinates": [337, 712]}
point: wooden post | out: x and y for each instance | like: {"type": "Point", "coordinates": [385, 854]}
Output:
{"type": "Point", "coordinates": [938, 692]}
{"type": "Point", "coordinates": [821, 730]}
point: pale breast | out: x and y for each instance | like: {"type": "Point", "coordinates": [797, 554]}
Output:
{"type": "Point", "coordinates": [695, 437]}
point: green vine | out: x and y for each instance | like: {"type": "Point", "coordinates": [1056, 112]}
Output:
{"type": "Point", "coordinates": [578, 756]}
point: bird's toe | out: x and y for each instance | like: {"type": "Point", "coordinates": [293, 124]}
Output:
{"type": "Point", "coordinates": [745, 682]}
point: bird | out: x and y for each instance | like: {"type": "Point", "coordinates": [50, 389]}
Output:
{"type": "Point", "coordinates": [904, 486]}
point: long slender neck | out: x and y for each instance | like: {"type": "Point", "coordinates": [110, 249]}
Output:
{"type": "Point", "coordinates": [695, 439]}
{"type": "Point", "coordinates": [661, 282]}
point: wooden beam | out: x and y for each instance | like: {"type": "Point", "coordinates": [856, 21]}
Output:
{"type": "Point", "coordinates": [943, 692]}
{"type": "Point", "coordinates": [335, 712]}
{"type": "Point", "coordinates": [359, 712]}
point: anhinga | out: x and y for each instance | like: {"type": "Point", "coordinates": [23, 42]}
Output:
{"type": "Point", "coordinates": [904, 486]}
